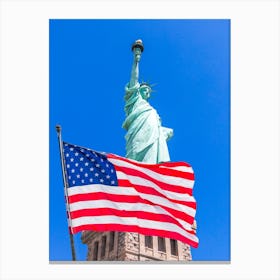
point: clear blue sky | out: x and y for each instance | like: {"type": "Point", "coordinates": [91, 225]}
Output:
{"type": "Point", "coordinates": [189, 60]}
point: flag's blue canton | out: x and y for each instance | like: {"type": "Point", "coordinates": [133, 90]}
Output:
{"type": "Point", "coordinates": [85, 167]}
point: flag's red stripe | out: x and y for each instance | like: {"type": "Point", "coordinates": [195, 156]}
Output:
{"type": "Point", "coordinates": [122, 213]}
{"type": "Point", "coordinates": [174, 173]}
{"type": "Point", "coordinates": [128, 199]}
{"type": "Point", "coordinates": [130, 228]}
{"type": "Point", "coordinates": [163, 185]}
{"type": "Point", "coordinates": [166, 172]}
{"type": "Point", "coordinates": [150, 190]}
{"type": "Point", "coordinates": [174, 164]}
{"type": "Point", "coordinates": [141, 164]}
{"type": "Point", "coordinates": [163, 171]}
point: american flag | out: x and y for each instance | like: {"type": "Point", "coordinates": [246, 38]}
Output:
{"type": "Point", "coordinates": [106, 192]}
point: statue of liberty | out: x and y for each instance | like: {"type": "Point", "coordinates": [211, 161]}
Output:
{"type": "Point", "coordinates": [145, 137]}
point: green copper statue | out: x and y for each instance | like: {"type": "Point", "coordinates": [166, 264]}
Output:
{"type": "Point", "coordinates": [145, 137]}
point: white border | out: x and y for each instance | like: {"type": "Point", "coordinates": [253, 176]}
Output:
{"type": "Point", "coordinates": [254, 129]}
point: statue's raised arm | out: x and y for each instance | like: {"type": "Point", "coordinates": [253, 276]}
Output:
{"type": "Point", "coordinates": [137, 49]}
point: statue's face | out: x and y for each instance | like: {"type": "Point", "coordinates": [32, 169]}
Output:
{"type": "Point", "coordinates": [145, 92]}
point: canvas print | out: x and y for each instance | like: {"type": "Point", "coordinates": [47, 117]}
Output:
{"type": "Point", "coordinates": [139, 140]}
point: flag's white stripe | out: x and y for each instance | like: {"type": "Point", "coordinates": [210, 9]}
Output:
{"type": "Point", "coordinates": [101, 188]}
{"type": "Point", "coordinates": [134, 222]}
{"type": "Point", "coordinates": [157, 200]}
{"type": "Point", "coordinates": [102, 203]}
{"type": "Point", "coordinates": [146, 183]}
{"type": "Point", "coordinates": [182, 168]}
{"type": "Point", "coordinates": [172, 180]}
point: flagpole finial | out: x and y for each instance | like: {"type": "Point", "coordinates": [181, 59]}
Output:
{"type": "Point", "coordinates": [58, 128]}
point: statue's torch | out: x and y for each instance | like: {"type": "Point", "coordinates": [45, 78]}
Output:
{"type": "Point", "coordinates": [137, 48]}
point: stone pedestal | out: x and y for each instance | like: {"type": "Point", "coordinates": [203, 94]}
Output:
{"type": "Point", "coordinates": [128, 246]}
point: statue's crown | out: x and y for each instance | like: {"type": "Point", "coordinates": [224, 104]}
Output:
{"type": "Point", "coordinates": [145, 84]}
{"type": "Point", "coordinates": [148, 85]}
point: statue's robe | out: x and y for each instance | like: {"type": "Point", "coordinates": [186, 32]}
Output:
{"type": "Point", "coordinates": [145, 137]}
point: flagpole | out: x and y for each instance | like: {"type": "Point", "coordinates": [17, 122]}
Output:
{"type": "Point", "coordinates": [65, 182]}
